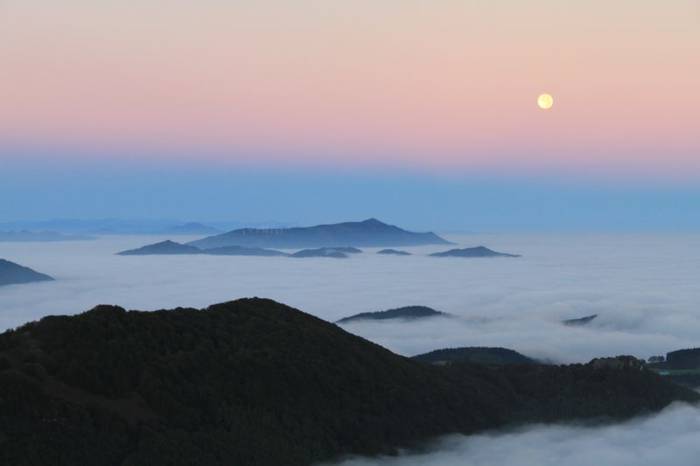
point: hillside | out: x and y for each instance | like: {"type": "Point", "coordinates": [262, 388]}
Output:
{"type": "Point", "coordinates": [163, 248]}
{"type": "Point", "coordinates": [15, 274]}
{"type": "Point", "coordinates": [368, 233]}
{"type": "Point", "coordinates": [337, 253]}
{"type": "Point", "coordinates": [173, 248]}
{"type": "Point", "coordinates": [479, 251]}
{"type": "Point", "coordinates": [256, 383]}
{"type": "Point", "coordinates": [406, 312]}
{"type": "Point", "coordinates": [474, 355]}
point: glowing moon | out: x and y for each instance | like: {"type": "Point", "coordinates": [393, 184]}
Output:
{"type": "Point", "coordinates": [545, 101]}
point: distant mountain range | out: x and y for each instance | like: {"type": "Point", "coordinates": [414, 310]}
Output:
{"type": "Point", "coordinates": [169, 247]}
{"type": "Point", "coordinates": [368, 233]}
{"type": "Point", "coordinates": [115, 226]}
{"type": "Point", "coordinates": [173, 248]}
{"type": "Point", "coordinates": [479, 251]}
{"type": "Point", "coordinates": [15, 274]}
{"type": "Point", "coordinates": [394, 252]}
{"type": "Point", "coordinates": [338, 253]}
{"type": "Point", "coordinates": [163, 248]}
{"type": "Point", "coordinates": [241, 251]}
{"type": "Point", "coordinates": [40, 236]}
{"type": "Point", "coordinates": [256, 383]}
{"type": "Point", "coordinates": [405, 313]}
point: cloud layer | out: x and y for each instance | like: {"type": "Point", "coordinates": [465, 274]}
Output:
{"type": "Point", "coordinates": [668, 438]}
{"type": "Point", "coordinates": [643, 287]}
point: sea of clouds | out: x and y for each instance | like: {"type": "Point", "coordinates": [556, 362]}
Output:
{"type": "Point", "coordinates": [644, 288]}
{"type": "Point", "coordinates": [668, 438]}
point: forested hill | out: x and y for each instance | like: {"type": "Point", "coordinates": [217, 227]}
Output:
{"type": "Point", "coordinates": [253, 382]}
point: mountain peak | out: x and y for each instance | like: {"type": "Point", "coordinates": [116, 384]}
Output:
{"type": "Point", "coordinates": [372, 221]}
{"type": "Point", "coordinates": [368, 233]}
{"type": "Point", "coordinates": [164, 247]}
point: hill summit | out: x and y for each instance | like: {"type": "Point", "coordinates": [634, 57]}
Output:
{"type": "Point", "coordinates": [367, 233]}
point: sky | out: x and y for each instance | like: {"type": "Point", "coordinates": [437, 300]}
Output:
{"type": "Point", "coordinates": [353, 109]}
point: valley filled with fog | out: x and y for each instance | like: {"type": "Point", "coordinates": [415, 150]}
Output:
{"type": "Point", "coordinates": [669, 437]}
{"type": "Point", "coordinates": [643, 287]}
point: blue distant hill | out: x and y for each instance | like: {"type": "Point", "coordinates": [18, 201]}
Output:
{"type": "Point", "coordinates": [169, 248]}
{"type": "Point", "coordinates": [15, 274]}
{"type": "Point", "coordinates": [479, 251]}
{"type": "Point", "coordinates": [368, 233]}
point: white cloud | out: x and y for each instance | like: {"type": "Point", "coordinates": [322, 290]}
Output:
{"type": "Point", "coordinates": [644, 288]}
{"type": "Point", "coordinates": [669, 438]}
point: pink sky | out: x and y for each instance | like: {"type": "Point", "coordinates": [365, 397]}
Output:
{"type": "Point", "coordinates": [440, 84]}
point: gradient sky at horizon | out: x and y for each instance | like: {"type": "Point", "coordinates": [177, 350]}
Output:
{"type": "Point", "coordinates": [378, 87]}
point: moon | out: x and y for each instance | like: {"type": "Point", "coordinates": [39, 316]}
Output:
{"type": "Point", "coordinates": [545, 101]}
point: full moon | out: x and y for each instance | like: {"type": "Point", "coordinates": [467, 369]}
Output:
{"type": "Point", "coordinates": [545, 101]}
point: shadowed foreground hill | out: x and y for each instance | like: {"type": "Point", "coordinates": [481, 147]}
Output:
{"type": "Point", "coordinates": [475, 355]}
{"type": "Point", "coordinates": [253, 382]}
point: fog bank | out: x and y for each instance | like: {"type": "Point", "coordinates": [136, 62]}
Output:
{"type": "Point", "coordinates": [644, 287]}
{"type": "Point", "coordinates": [669, 438]}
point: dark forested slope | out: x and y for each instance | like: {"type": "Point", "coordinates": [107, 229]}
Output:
{"type": "Point", "coordinates": [254, 382]}
{"type": "Point", "coordinates": [474, 355]}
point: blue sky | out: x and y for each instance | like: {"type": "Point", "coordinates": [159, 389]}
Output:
{"type": "Point", "coordinates": [459, 202]}
{"type": "Point", "coordinates": [419, 113]}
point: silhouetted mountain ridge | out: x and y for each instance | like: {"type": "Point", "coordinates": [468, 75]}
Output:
{"type": "Point", "coordinates": [169, 247]}
{"type": "Point", "coordinates": [368, 233]}
{"type": "Point", "coordinates": [256, 383]}
{"type": "Point", "coordinates": [479, 251]}
{"type": "Point", "coordinates": [338, 253]}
